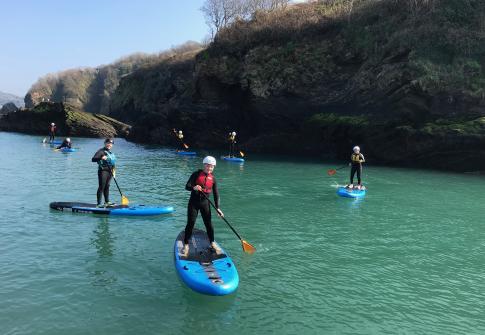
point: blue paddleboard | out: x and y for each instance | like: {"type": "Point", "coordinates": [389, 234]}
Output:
{"type": "Point", "coordinates": [204, 270]}
{"type": "Point", "coordinates": [233, 159]}
{"type": "Point", "coordinates": [186, 153]}
{"type": "Point", "coordinates": [122, 210]}
{"type": "Point", "coordinates": [67, 149]}
{"type": "Point", "coordinates": [350, 193]}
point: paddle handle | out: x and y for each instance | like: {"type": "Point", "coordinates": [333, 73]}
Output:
{"type": "Point", "coordinates": [212, 204]}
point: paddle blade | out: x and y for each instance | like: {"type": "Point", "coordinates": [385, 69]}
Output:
{"type": "Point", "coordinates": [242, 153]}
{"type": "Point", "coordinates": [247, 247]}
{"type": "Point", "coordinates": [186, 146]}
{"type": "Point", "coordinates": [44, 140]}
{"type": "Point", "coordinates": [331, 172]}
{"type": "Point", "coordinates": [124, 200]}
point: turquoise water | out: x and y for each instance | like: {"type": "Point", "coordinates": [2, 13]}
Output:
{"type": "Point", "coordinates": [407, 259]}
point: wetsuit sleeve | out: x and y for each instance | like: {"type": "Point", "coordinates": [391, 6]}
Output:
{"type": "Point", "coordinates": [216, 193]}
{"type": "Point", "coordinates": [191, 182]}
{"type": "Point", "coordinates": [97, 156]}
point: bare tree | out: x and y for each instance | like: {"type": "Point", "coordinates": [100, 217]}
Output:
{"type": "Point", "coordinates": [222, 13]}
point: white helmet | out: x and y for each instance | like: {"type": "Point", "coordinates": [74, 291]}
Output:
{"type": "Point", "coordinates": [180, 132]}
{"type": "Point", "coordinates": [233, 133]}
{"type": "Point", "coordinates": [209, 160]}
{"type": "Point", "coordinates": [53, 124]}
{"type": "Point", "coordinates": [356, 148]}
{"type": "Point", "coordinates": [68, 139]}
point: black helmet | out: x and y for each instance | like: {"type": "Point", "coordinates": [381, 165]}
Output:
{"type": "Point", "coordinates": [109, 140]}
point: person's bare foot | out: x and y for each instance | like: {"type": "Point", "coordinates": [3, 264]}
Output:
{"type": "Point", "coordinates": [216, 247]}
{"type": "Point", "coordinates": [185, 250]}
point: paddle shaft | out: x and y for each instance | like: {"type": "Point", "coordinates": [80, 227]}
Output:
{"type": "Point", "coordinates": [114, 178]}
{"type": "Point", "coordinates": [212, 204]}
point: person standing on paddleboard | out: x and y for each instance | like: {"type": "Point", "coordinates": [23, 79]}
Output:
{"type": "Point", "coordinates": [232, 144]}
{"type": "Point", "coordinates": [355, 164]}
{"type": "Point", "coordinates": [180, 136]}
{"type": "Point", "coordinates": [201, 184]}
{"type": "Point", "coordinates": [106, 169]}
{"type": "Point", "coordinates": [65, 144]}
{"type": "Point", "coordinates": [52, 131]}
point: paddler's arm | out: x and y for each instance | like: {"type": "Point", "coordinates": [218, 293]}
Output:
{"type": "Point", "coordinates": [216, 197]}
{"type": "Point", "coordinates": [98, 156]}
{"type": "Point", "coordinates": [362, 158]}
{"type": "Point", "coordinates": [191, 182]}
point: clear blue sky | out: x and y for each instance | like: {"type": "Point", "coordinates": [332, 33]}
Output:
{"type": "Point", "coordinates": [39, 37]}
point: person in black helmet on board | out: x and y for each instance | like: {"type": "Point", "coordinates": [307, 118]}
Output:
{"type": "Point", "coordinates": [106, 169]}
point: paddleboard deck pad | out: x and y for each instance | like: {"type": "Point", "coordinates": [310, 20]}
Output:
{"type": "Point", "coordinates": [233, 159]}
{"type": "Point", "coordinates": [350, 193]}
{"type": "Point", "coordinates": [204, 270]}
{"type": "Point", "coordinates": [122, 210]}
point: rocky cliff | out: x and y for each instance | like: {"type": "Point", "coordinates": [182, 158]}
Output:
{"type": "Point", "coordinates": [69, 121]}
{"type": "Point", "coordinates": [403, 79]}
{"type": "Point", "coordinates": [406, 83]}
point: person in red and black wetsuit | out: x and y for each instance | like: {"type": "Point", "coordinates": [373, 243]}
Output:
{"type": "Point", "coordinates": [201, 184]}
{"type": "Point", "coordinates": [52, 131]}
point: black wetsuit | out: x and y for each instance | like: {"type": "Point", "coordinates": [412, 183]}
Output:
{"type": "Point", "coordinates": [65, 144]}
{"type": "Point", "coordinates": [52, 133]}
{"type": "Point", "coordinates": [198, 202]}
{"type": "Point", "coordinates": [356, 167]}
{"type": "Point", "coordinates": [104, 175]}
{"type": "Point", "coordinates": [232, 146]}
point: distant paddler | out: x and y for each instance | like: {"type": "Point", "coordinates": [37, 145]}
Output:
{"type": "Point", "coordinates": [65, 144]}
{"type": "Point", "coordinates": [52, 132]}
{"type": "Point", "coordinates": [232, 144]}
{"type": "Point", "coordinates": [356, 160]}
{"type": "Point", "coordinates": [180, 135]}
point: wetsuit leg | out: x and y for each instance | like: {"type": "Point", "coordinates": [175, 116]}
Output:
{"type": "Point", "coordinates": [192, 212]}
{"type": "Point", "coordinates": [359, 173]}
{"type": "Point", "coordinates": [352, 173]}
{"type": "Point", "coordinates": [205, 211]}
{"type": "Point", "coordinates": [104, 178]}
{"type": "Point", "coordinates": [99, 194]}
{"type": "Point", "coordinates": [108, 177]}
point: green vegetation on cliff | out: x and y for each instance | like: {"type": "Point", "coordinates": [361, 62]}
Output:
{"type": "Point", "coordinates": [404, 79]}
{"type": "Point", "coordinates": [90, 89]}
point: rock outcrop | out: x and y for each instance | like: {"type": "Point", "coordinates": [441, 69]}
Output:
{"type": "Point", "coordinates": [9, 107]}
{"type": "Point", "coordinates": [69, 121]}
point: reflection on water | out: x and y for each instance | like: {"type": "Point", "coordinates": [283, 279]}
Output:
{"type": "Point", "coordinates": [102, 239]}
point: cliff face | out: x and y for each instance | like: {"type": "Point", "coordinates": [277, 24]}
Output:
{"type": "Point", "coordinates": [90, 89]}
{"type": "Point", "coordinates": [403, 79]}
{"type": "Point", "coordinates": [405, 83]}
{"type": "Point", "coordinates": [69, 121]}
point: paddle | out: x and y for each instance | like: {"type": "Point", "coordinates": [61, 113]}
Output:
{"type": "Point", "coordinates": [241, 153]}
{"type": "Point", "coordinates": [246, 246]}
{"type": "Point", "coordinates": [176, 135]}
{"type": "Point", "coordinates": [124, 199]}
{"type": "Point", "coordinates": [44, 140]}
{"type": "Point", "coordinates": [331, 172]}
